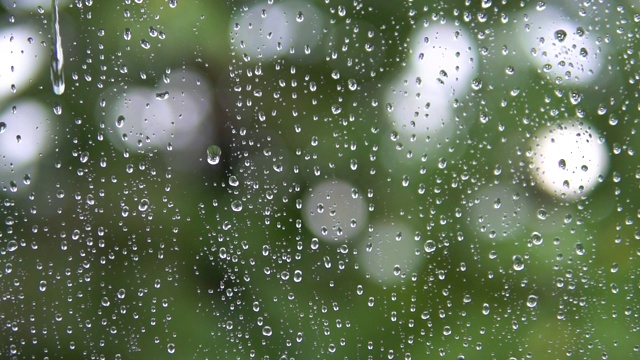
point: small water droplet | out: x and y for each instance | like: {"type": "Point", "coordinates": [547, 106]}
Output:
{"type": "Point", "coordinates": [266, 331]}
{"type": "Point", "coordinates": [145, 44]}
{"type": "Point", "coordinates": [236, 205]}
{"type": "Point", "coordinates": [542, 214]}
{"type": "Point", "coordinates": [518, 262]}
{"type": "Point", "coordinates": [213, 154]}
{"type": "Point", "coordinates": [144, 205]}
{"type": "Point", "coordinates": [12, 245]}
{"type": "Point", "coordinates": [163, 95]}
{"type": "Point", "coordinates": [562, 164]}
{"type": "Point", "coordinates": [430, 246]}
{"type": "Point", "coordinates": [532, 301]}
{"type": "Point", "coordinates": [560, 35]}
{"type": "Point", "coordinates": [120, 121]}
{"type": "Point", "coordinates": [300, 17]}
{"type": "Point", "coordinates": [57, 109]}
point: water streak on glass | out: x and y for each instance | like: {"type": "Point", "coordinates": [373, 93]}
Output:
{"type": "Point", "coordinates": [57, 58]}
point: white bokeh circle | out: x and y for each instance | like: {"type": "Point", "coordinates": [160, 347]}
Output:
{"type": "Point", "coordinates": [334, 210]}
{"type": "Point", "coordinates": [267, 31]}
{"type": "Point", "coordinates": [25, 132]}
{"type": "Point", "coordinates": [172, 112]}
{"type": "Point", "coordinates": [390, 253]}
{"type": "Point", "coordinates": [440, 68]}
{"type": "Point", "coordinates": [23, 57]}
{"type": "Point", "coordinates": [569, 159]}
{"type": "Point", "coordinates": [560, 47]}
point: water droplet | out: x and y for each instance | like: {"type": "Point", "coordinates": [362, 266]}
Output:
{"type": "Point", "coordinates": [300, 17]}
{"type": "Point", "coordinates": [532, 301]}
{"type": "Point", "coordinates": [562, 164]}
{"type": "Point", "coordinates": [536, 238]}
{"type": "Point", "coordinates": [57, 57]}
{"type": "Point", "coordinates": [3, 127]}
{"type": "Point", "coordinates": [145, 44]}
{"type": "Point", "coordinates": [163, 95]}
{"type": "Point", "coordinates": [297, 276]}
{"type": "Point", "coordinates": [518, 262]}
{"type": "Point", "coordinates": [476, 84]}
{"type": "Point", "coordinates": [486, 309]}
{"type": "Point", "coordinates": [12, 245]}
{"type": "Point", "coordinates": [266, 331]}
{"type": "Point", "coordinates": [580, 250]}
{"type": "Point", "coordinates": [171, 348]}
{"type": "Point", "coordinates": [57, 109]}
{"type": "Point", "coordinates": [583, 52]}
{"type": "Point", "coordinates": [430, 246]}
{"type": "Point", "coordinates": [144, 205]}
{"type": "Point", "coordinates": [542, 214]}
{"type": "Point", "coordinates": [42, 286]}
{"type": "Point", "coordinates": [213, 154]}
{"type": "Point", "coordinates": [120, 121]}
{"type": "Point", "coordinates": [236, 205]}
{"type": "Point", "coordinates": [560, 35]}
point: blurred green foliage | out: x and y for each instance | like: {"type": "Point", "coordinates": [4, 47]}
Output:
{"type": "Point", "coordinates": [189, 276]}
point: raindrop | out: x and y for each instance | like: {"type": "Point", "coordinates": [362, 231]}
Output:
{"type": "Point", "coordinates": [171, 348]}
{"type": "Point", "coordinates": [300, 17]}
{"type": "Point", "coordinates": [12, 245]}
{"type": "Point", "coordinates": [562, 164]}
{"type": "Point", "coordinates": [163, 95]}
{"type": "Point", "coordinates": [297, 276]}
{"type": "Point", "coordinates": [560, 35]}
{"type": "Point", "coordinates": [236, 205]}
{"type": "Point", "coordinates": [144, 205]}
{"type": "Point", "coordinates": [542, 214]}
{"type": "Point", "coordinates": [213, 154]}
{"type": "Point", "coordinates": [536, 238]}
{"type": "Point", "coordinates": [57, 58]}
{"type": "Point", "coordinates": [518, 262]}
{"type": "Point", "coordinates": [120, 121]}
{"type": "Point", "coordinates": [42, 286]}
{"type": "Point", "coordinates": [430, 246]}
{"type": "Point", "coordinates": [532, 301]}
{"type": "Point", "coordinates": [57, 109]}
{"type": "Point", "coordinates": [266, 331]}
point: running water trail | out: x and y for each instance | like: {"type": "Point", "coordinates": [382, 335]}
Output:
{"type": "Point", "coordinates": [57, 58]}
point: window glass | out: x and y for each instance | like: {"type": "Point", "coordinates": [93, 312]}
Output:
{"type": "Point", "coordinates": [307, 179]}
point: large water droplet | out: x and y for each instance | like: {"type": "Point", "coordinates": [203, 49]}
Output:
{"type": "Point", "coordinates": [213, 154]}
{"type": "Point", "coordinates": [430, 246]}
{"type": "Point", "coordinates": [57, 58]}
